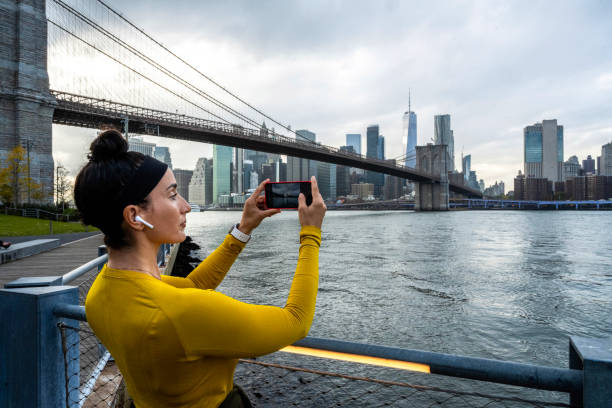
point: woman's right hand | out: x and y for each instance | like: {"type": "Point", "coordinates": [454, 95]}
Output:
{"type": "Point", "coordinates": [312, 214]}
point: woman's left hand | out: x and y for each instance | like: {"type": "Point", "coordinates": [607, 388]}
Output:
{"type": "Point", "coordinates": [254, 210]}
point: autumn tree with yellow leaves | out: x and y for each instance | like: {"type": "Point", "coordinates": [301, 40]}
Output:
{"type": "Point", "coordinates": [15, 184]}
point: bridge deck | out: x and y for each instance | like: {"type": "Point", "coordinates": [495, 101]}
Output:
{"type": "Point", "coordinates": [53, 263]}
{"type": "Point", "coordinates": [78, 110]}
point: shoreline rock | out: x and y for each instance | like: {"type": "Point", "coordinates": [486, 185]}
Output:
{"type": "Point", "coordinates": [183, 263]}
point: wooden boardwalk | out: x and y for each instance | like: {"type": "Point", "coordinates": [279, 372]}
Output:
{"type": "Point", "coordinates": [53, 263]}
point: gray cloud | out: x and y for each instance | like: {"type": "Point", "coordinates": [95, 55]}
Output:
{"type": "Point", "coordinates": [335, 67]}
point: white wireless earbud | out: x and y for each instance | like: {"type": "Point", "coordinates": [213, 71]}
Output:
{"type": "Point", "coordinates": [139, 219]}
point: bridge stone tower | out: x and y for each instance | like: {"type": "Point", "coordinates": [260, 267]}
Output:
{"type": "Point", "coordinates": [432, 159]}
{"type": "Point", "coordinates": [26, 106]}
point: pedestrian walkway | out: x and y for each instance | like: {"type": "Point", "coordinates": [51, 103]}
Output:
{"type": "Point", "coordinates": [63, 238]}
{"type": "Point", "coordinates": [55, 262]}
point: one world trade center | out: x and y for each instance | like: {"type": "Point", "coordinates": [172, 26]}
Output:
{"type": "Point", "coordinates": [409, 136]}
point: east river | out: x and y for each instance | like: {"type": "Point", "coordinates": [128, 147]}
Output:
{"type": "Point", "coordinates": [507, 285]}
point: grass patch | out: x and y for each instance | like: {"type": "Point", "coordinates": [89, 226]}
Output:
{"type": "Point", "coordinates": [14, 226]}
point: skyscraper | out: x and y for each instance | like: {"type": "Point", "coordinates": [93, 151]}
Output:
{"type": "Point", "coordinates": [466, 167]}
{"type": "Point", "coordinates": [312, 165]}
{"type": "Point", "coordinates": [381, 147]}
{"type": "Point", "coordinates": [238, 172]}
{"type": "Point", "coordinates": [183, 178]}
{"type": "Point", "coordinates": [343, 175]}
{"type": "Point", "coordinates": [543, 150]}
{"type": "Point", "coordinates": [326, 179]}
{"type": "Point", "coordinates": [443, 135]}
{"type": "Point", "coordinates": [201, 183]}
{"type": "Point", "coordinates": [354, 139]}
{"type": "Point", "coordinates": [571, 168]}
{"type": "Point", "coordinates": [246, 177]}
{"type": "Point", "coordinates": [409, 136]}
{"type": "Point", "coordinates": [372, 142]}
{"type": "Point", "coordinates": [606, 160]}
{"type": "Point", "coordinates": [162, 153]}
{"type": "Point", "coordinates": [588, 165]}
{"type": "Point", "coordinates": [374, 151]}
{"type": "Point", "coordinates": [304, 135]}
{"type": "Point", "coordinates": [297, 169]}
{"type": "Point", "coordinates": [136, 144]}
{"type": "Point", "coordinates": [222, 171]}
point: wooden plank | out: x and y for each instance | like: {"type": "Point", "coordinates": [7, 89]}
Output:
{"type": "Point", "coordinates": [53, 263]}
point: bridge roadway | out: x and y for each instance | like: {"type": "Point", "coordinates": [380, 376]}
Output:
{"type": "Point", "coordinates": [77, 110]}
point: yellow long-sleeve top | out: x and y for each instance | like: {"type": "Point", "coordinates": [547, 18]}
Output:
{"type": "Point", "coordinates": [177, 341]}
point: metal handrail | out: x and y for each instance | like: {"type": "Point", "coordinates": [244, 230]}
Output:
{"type": "Point", "coordinates": [83, 269]}
{"type": "Point", "coordinates": [101, 260]}
{"type": "Point", "coordinates": [495, 371]}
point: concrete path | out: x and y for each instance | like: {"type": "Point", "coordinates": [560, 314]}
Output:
{"type": "Point", "coordinates": [55, 262]}
{"type": "Point", "coordinates": [64, 238]}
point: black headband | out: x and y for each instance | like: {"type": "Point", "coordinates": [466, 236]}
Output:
{"type": "Point", "coordinates": [142, 182]}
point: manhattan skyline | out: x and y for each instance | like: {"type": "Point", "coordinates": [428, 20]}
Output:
{"type": "Point", "coordinates": [336, 68]}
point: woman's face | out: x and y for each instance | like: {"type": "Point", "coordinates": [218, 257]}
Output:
{"type": "Point", "coordinates": [167, 212]}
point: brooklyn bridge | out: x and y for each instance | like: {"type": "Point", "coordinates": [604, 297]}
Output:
{"type": "Point", "coordinates": [84, 64]}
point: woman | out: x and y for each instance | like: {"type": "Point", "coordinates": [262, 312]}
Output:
{"type": "Point", "coordinates": [176, 340]}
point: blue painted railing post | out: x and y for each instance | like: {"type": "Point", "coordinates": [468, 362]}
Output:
{"type": "Point", "coordinates": [594, 358]}
{"type": "Point", "coordinates": [33, 371]}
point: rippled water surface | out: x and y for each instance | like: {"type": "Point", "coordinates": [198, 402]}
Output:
{"type": "Point", "coordinates": [511, 285]}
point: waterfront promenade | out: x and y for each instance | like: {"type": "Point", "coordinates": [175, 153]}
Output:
{"type": "Point", "coordinates": [55, 262]}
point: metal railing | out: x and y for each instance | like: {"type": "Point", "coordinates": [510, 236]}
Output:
{"type": "Point", "coordinates": [39, 213]}
{"type": "Point", "coordinates": [164, 250]}
{"type": "Point", "coordinates": [43, 366]}
{"type": "Point", "coordinates": [532, 204]}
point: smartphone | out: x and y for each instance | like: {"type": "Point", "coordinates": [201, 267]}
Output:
{"type": "Point", "coordinates": [284, 194]}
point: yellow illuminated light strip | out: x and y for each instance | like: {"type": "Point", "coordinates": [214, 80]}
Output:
{"type": "Point", "coordinates": [355, 358]}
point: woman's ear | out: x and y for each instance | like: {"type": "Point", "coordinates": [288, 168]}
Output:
{"type": "Point", "coordinates": [129, 216]}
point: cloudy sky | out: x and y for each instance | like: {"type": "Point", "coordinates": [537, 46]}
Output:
{"type": "Point", "coordinates": [334, 67]}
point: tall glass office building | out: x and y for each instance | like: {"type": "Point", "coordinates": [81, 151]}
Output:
{"type": "Point", "coordinates": [375, 150]}
{"type": "Point", "coordinates": [302, 135]}
{"type": "Point", "coordinates": [162, 153]}
{"type": "Point", "coordinates": [354, 139]}
{"type": "Point", "coordinates": [605, 162]}
{"type": "Point", "coordinates": [222, 171]}
{"type": "Point", "coordinates": [381, 147]}
{"type": "Point", "coordinates": [543, 150]}
{"type": "Point", "coordinates": [372, 142]}
{"type": "Point", "coordinates": [443, 135]}
{"type": "Point", "coordinates": [327, 180]}
{"type": "Point", "coordinates": [409, 138]}
{"type": "Point", "coordinates": [466, 167]}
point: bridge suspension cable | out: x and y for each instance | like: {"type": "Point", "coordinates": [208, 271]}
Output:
{"type": "Point", "coordinates": [148, 60]}
{"type": "Point", "coordinates": [136, 72]}
{"type": "Point", "coordinates": [152, 62]}
{"type": "Point", "coordinates": [200, 72]}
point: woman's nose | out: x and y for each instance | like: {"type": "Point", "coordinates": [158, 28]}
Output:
{"type": "Point", "coordinates": [187, 207]}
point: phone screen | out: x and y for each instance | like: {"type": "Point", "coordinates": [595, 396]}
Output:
{"type": "Point", "coordinates": [285, 194]}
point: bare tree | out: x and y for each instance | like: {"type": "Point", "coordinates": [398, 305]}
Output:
{"type": "Point", "coordinates": [62, 185]}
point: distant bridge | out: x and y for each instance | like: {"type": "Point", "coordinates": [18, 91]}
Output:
{"type": "Point", "coordinates": [532, 205]}
{"type": "Point", "coordinates": [77, 110]}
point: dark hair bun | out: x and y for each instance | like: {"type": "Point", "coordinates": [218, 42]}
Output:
{"type": "Point", "coordinates": [107, 146]}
